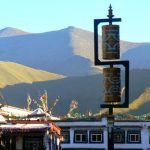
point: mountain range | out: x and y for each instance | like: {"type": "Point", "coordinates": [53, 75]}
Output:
{"type": "Point", "coordinates": [62, 62]}
{"type": "Point", "coordinates": [51, 51]}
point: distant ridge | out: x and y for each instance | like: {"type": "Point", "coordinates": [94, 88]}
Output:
{"type": "Point", "coordinates": [68, 51]}
{"type": "Point", "coordinates": [9, 31]}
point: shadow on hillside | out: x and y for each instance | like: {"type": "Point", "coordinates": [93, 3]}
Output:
{"type": "Point", "coordinates": [82, 89]}
{"type": "Point", "coordinates": [87, 90]}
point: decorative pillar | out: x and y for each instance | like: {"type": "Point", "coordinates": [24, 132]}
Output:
{"type": "Point", "coordinates": [112, 75]}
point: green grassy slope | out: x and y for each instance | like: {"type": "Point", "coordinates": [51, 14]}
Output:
{"type": "Point", "coordinates": [140, 105]}
{"type": "Point", "coordinates": [13, 73]}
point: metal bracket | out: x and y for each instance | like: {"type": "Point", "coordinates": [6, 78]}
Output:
{"type": "Point", "coordinates": [125, 64]}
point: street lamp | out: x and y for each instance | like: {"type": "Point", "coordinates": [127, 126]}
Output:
{"type": "Point", "coordinates": [112, 75]}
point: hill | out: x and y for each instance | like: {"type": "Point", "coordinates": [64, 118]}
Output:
{"type": "Point", "coordinates": [12, 73]}
{"type": "Point", "coordinates": [140, 105]}
{"type": "Point", "coordinates": [87, 90]}
{"type": "Point", "coordinates": [68, 51]}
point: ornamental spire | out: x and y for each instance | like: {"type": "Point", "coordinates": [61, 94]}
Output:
{"type": "Point", "coordinates": [110, 12]}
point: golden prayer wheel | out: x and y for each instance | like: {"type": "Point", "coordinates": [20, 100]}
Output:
{"type": "Point", "coordinates": [112, 85]}
{"type": "Point", "coordinates": [110, 42]}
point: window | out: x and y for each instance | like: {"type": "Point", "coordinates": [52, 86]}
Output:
{"type": "Point", "coordinates": [96, 136]}
{"type": "Point", "coordinates": [31, 143]}
{"type": "Point", "coordinates": [119, 136]}
{"type": "Point", "coordinates": [9, 141]}
{"type": "Point", "coordinates": [80, 136]}
{"type": "Point", "coordinates": [134, 136]}
{"type": "Point", "coordinates": [66, 136]}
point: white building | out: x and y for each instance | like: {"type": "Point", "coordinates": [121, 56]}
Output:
{"type": "Point", "coordinates": [93, 134]}
{"type": "Point", "coordinates": [132, 134]}
{"type": "Point", "coordinates": [30, 135]}
{"type": "Point", "coordinates": [81, 135]}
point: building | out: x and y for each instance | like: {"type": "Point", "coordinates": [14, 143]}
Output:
{"type": "Point", "coordinates": [37, 130]}
{"type": "Point", "coordinates": [30, 135]}
{"type": "Point", "coordinates": [93, 134]}
{"type": "Point", "coordinates": [84, 134]}
{"type": "Point", "coordinates": [24, 130]}
{"type": "Point", "coordinates": [132, 134]}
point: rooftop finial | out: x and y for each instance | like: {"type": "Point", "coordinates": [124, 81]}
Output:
{"type": "Point", "coordinates": [110, 12]}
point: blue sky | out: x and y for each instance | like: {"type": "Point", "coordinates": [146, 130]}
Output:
{"type": "Point", "coordinates": [48, 15]}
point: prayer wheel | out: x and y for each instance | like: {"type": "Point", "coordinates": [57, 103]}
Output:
{"type": "Point", "coordinates": [110, 42]}
{"type": "Point", "coordinates": [112, 85]}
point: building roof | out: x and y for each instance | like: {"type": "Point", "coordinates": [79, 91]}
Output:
{"type": "Point", "coordinates": [23, 127]}
{"type": "Point", "coordinates": [14, 111]}
{"type": "Point", "coordinates": [34, 124]}
{"type": "Point", "coordinates": [2, 119]}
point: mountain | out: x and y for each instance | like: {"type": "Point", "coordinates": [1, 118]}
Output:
{"type": "Point", "coordinates": [87, 90]}
{"type": "Point", "coordinates": [9, 31]}
{"type": "Point", "coordinates": [12, 73]}
{"type": "Point", "coordinates": [139, 57]}
{"type": "Point", "coordinates": [68, 51]}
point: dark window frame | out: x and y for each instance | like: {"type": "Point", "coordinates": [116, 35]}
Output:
{"type": "Point", "coordinates": [133, 132]}
{"type": "Point", "coordinates": [121, 132]}
{"type": "Point", "coordinates": [6, 140]}
{"type": "Point", "coordinates": [96, 132]}
{"type": "Point", "coordinates": [68, 133]}
{"type": "Point", "coordinates": [81, 133]}
{"type": "Point", "coordinates": [26, 138]}
{"type": "Point", "coordinates": [149, 136]}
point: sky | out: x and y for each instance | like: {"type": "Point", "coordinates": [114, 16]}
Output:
{"type": "Point", "coordinates": [38, 16]}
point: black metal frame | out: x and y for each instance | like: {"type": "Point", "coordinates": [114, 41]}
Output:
{"type": "Point", "coordinates": [125, 104]}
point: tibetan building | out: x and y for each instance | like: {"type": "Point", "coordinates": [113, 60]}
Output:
{"type": "Point", "coordinates": [30, 135]}
{"type": "Point", "coordinates": [27, 130]}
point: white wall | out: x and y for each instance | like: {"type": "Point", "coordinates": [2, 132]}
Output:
{"type": "Point", "coordinates": [126, 125]}
{"type": "Point", "coordinates": [86, 145]}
